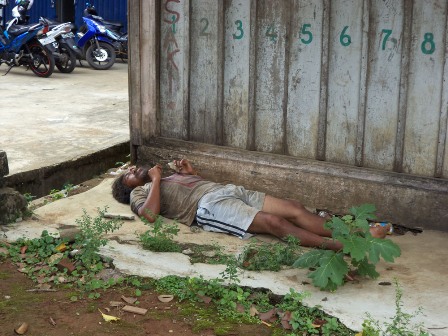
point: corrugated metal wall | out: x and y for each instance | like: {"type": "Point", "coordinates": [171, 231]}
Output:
{"type": "Point", "coordinates": [348, 81]}
{"type": "Point", "coordinates": [113, 10]}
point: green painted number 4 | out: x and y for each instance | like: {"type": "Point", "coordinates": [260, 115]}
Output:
{"type": "Point", "coordinates": [271, 33]}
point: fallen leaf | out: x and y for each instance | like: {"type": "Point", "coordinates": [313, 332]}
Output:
{"type": "Point", "coordinates": [165, 298]}
{"type": "Point", "coordinates": [22, 329]}
{"type": "Point", "coordinates": [61, 247]}
{"type": "Point", "coordinates": [23, 249]}
{"type": "Point", "coordinates": [240, 308]}
{"type": "Point", "coordinates": [108, 318]}
{"type": "Point", "coordinates": [253, 310]}
{"type": "Point", "coordinates": [52, 321]}
{"type": "Point", "coordinates": [205, 299]}
{"type": "Point", "coordinates": [267, 315]}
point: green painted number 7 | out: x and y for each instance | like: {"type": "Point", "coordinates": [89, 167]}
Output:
{"type": "Point", "coordinates": [387, 33]}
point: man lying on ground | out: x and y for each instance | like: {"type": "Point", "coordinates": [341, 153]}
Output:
{"type": "Point", "coordinates": [186, 197]}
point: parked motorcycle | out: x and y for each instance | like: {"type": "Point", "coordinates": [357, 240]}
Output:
{"type": "Point", "coordinates": [59, 39]}
{"type": "Point", "coordinates": [113, 31]}
{"type": "Point", "coordinates": [20, 46]}
{"type": "Point", "coordinates": [97, 48]}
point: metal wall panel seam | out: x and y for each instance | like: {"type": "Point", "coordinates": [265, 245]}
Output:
{"type": "Point", "coordinates": [188, 79]}
{"type": "Point", "coordinates": [288, 45]}
{"type": "Point", "coordinates": [147, 52]}
{"type": "Point", "coordinates": [441, 150]}
{"type": "Point", "coordinates": [323, 99]}
{"type": "Point", "coordinates": [134, 78]}
{"type": "Point", "coordinates": [220, 78]}
{"type": "Point", "coordinates": [365, 46]}
{"type": "Point", "coordinates": [253, 57]}
{"type": "Point", "coordinates": [402, 105]}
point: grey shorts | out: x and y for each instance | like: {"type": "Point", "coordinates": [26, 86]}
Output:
{"type": "Point", "coordinates": [230, 209]}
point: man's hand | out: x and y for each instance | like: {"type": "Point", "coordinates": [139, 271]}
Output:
{"type": "Point", "coordinates": [185, 167]}
{"type": "Point", "coordinates": [155, 173]}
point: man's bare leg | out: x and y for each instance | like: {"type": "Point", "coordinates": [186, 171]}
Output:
{"type": "Point", "coordinates": [280, 227]}
{"type": "Point", "coordinates": [297, 214]}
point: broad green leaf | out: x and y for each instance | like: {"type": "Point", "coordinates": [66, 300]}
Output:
{"type": "Point", "coordinates": [330, 272]}
{"type": "Point", "coordinates": [339, 228]}
{"type": "Point", "coordinates": [384, 248]}
{"type": "Point", "coordinates": [309, 259]}
{"type": "Point", "coordinates": [367, 269]}
{"type": "Point", "coordinates": [363, 224]}
{"type": "Point", "coordinates": [364, 211]}
{"type": "Point", "coordinates": [355, 246]}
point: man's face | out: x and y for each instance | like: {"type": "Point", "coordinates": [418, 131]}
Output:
{"type": "Point", "coordinates": [135, 177]}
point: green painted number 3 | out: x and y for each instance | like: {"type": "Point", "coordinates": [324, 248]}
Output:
{"type": "Point", "coordinates": [428, 41]}
{"type": "Point", "coordinates": [307, 33]}
{"type": "Point", "coordinates": [239, 27]}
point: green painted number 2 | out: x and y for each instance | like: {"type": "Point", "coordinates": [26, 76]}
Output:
{"type": "Point", "coordinates": [428, 40]}
{"type": "Point", "coordinates": [239, 27]}
{"type": "Point", "coordinates": [307, 33]}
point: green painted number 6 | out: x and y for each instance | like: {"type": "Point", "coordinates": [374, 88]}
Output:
{"type": "Point", "coordinates": [306, 32]}
{"type": "Point", "coordinates": [344, 38]}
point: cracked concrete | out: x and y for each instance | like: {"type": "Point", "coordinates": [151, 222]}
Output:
{"type": "Point", "coordinates": [421, 270]}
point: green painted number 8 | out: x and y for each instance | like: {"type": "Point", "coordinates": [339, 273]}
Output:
{"type": "Point", "coordinates": [429, 38]}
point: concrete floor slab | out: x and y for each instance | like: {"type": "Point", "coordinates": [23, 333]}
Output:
{"type": "Point", "coordinates": [45, 121]}
{"type": "Point", "coordinates": [421, 270]}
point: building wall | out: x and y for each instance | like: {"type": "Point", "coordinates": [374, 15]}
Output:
{"type": "Point", "coordinates": [355, 84]}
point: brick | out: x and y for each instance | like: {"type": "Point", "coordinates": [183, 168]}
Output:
{"type": "Point", "coordinates": [66, 263]}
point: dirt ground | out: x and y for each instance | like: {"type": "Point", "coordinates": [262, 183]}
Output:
{"type": "Point", "coordinates": [81, 318]}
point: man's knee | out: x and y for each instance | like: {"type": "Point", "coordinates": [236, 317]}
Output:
{"type": "Point", "coordinates": [267, 223]}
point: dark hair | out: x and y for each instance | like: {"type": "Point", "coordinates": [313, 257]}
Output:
{"type": "Point", "coordinates": [120, 191]}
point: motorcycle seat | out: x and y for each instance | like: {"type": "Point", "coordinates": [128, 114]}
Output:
{"type": "Point", "coordinates": [113, 23]}
{"type": "Point", "coordinates": [16, 30]}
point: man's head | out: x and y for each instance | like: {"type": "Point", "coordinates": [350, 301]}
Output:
{"type": "Point", "coordinates": [126, 182]}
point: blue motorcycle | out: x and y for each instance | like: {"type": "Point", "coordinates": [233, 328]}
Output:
{"type": "Point", "coordinates": [97, 48]}
{"type": "Point", "coordinates": [19, 46]}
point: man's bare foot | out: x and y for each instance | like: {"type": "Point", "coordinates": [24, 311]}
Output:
{"type": "Point", "coordinates": [379, 231]}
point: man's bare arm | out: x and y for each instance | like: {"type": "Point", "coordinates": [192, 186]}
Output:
{"type": "Point", "coordinates": [151, 208]}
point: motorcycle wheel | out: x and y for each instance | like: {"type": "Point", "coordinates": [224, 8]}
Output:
{"type": "Point", "coordinates": [42, 61]}
{"type": "Point", "coordinates": [67, 62]}
{"type": "Point", "coordinates": [102, 58]}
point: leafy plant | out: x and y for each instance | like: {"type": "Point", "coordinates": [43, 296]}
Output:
{"type": "Point", "coordinates": [353, 231]}
{"type": "Point", "coordinates": [400, 324]}
{"type": "Point", "coordinates": [92, 234]}
{"type": "Point", "coordinates": [56, 194]}
{"type": "Point", "coordinates": [159, 238]}
{"type": "Point", "coordinates": [271, 256]}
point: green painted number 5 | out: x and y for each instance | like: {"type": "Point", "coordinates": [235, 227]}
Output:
{"type": "Point", "coordinates": [239, 27]}
{"type": "Point", "coordinates": [307, 33]}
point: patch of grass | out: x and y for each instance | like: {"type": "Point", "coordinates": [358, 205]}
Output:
{"type": "Point", "coordinates": [271, 256]}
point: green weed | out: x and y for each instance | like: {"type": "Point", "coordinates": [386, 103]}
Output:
{"type": "Point", "coordinates": [353, 231]}
{"type": "Point", "coordinates": [400, 324]}
{"type": "Point", "coordinates": [159, 238]}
